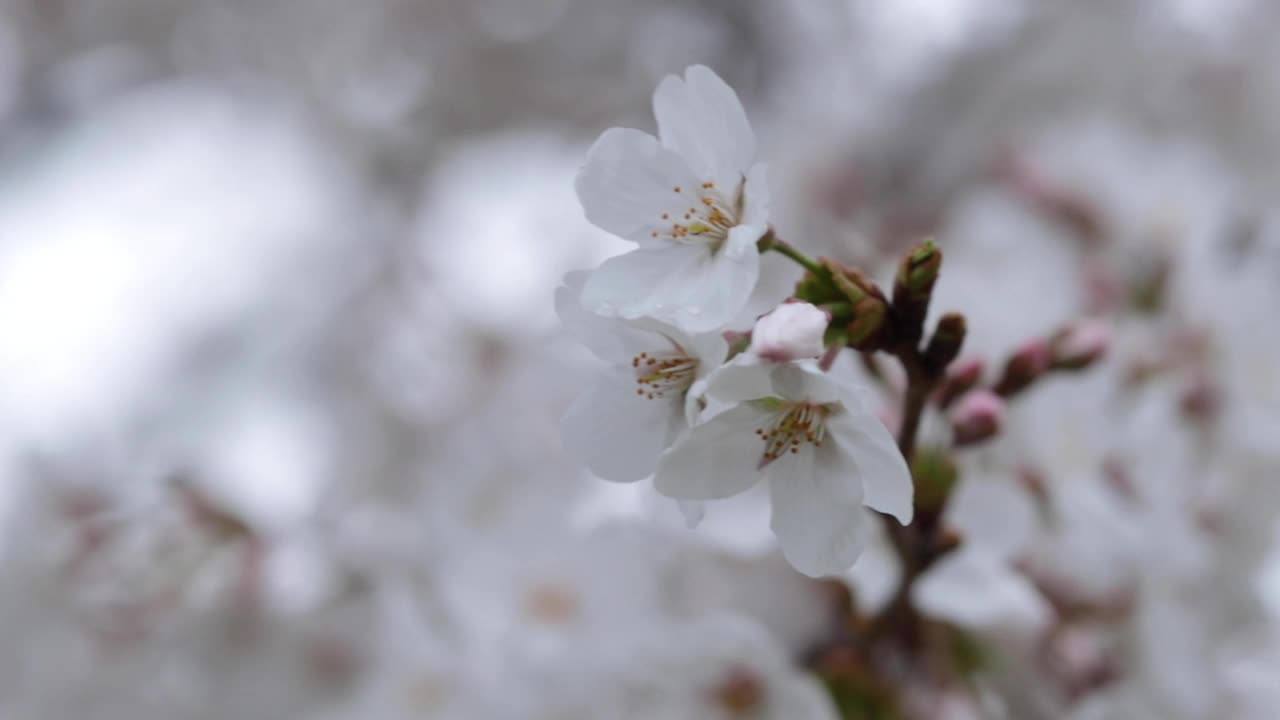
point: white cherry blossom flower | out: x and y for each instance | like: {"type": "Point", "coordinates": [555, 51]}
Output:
{"type": "Point", "coordinates": [824, 453]}
{"type": "Point", "coordinates": [976, 586]}
{"type": "Point", "coordinates": [720, 666]}
{"type": "Point", "coordinates": [693, 199]}
{"type": "Point", "coordinates": [635, 409]}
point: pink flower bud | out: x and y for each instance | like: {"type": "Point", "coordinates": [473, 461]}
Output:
{"type": "Point", "coordinates": [1082, 657]}
{"type": "Point", "coordinates": [793, 331]}
{"type": "Point", "coordinates": [967, 370]}
{"type": "Point", "coordinates": [1201, 401]}
{"type": "Point", "coordinates": [962, 376]}
{"type": "Point", "coordinates": [1025, 367]}
{"type": "Point", "coordinates": [1081, 343]}
{"type": "Point", "coordinates": [977, 417]}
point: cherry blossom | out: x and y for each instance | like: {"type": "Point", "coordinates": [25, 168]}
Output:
{"type": "Point", "coordinates": [694, 201]}
{"type": "Point", "coordinates": [824, 453]}
{"type": "Point", "coordinates": [638, 406]}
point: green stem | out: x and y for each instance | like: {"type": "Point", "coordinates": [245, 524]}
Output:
{"type": "Point", "coordinates": [838, 308]}
{"type": "Point", "coordinates": [781, 246]}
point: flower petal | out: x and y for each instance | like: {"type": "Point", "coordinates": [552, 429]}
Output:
{"type": "Point", "coordinates": [741, 379]}
{"type": "Point", "coordinates": [994, 517]}
{"type": "Point", "coordinates": [817, 511]}
{"type": "Point", "coordinates": [610, 339]}
{"type": "Point", "coordinates": [716, 459]}
{"type": "Point", "coordinates": [629, 181]}
{"type": "Point", "coordinates": [980, 593]}
{"type": "Point", "coordinates": [618, 434]}
{"type": "Point", "coordinates": [693, 511]}
{"type": "Point", "coordinates": [685, 285]}
{"type": "Point", "coordinates": [710, 349]}
{"type": "Point", "coordinates": [701, 118]}
{"type": "Point", "coordinates": [868, 451]}
{"type": "Point", "coordinates": [755, 196]}
{"type": "Point", "coordinates": [804, 381]}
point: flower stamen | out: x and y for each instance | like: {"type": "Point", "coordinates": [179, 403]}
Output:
{"type": "Point", "coordinates": [660, 374]}
{"type": "Point", "coordinates": [710, 224]}
{"type": "Point", "coordinates": [799, 424]}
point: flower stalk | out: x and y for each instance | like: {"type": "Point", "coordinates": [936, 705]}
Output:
{"type": "Point", "coordinates": [771, 242]}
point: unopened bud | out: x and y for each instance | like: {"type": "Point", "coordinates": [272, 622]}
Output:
{"type": "Point", "coordinates": [946, 342]}
{"type": "Point", "coordinates": [1071, 210]}
{"type": "Point", "coordinates": [868, 306]}
{"type": "Point", "coordinates": [912, 288]}
{"type": "Point", "coordinates": [817, 288]}
{"type": "Point", "coordinates": [1080, 344]}
{"type": "Point", "coordinates": [1201, 401]}
{"type": "Point", "coordinates": [1024, 367]}
{"type": "Point", "coordinates": [793, 331]}
{"type": "Point", "coordinates": [977, 417]}
{"type": "Point", "coordinates": [919, 270]}
{"type": "Point", "coordinates": [864, 330]}
{"type": "Point", "coordinates": [961, 377]}
{"type": "Point", "coordinates": [852, 284]}
{"type": "Point", "coordinates": [935, 475]}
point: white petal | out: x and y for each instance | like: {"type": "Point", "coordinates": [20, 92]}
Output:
{"type": "Point", "coordinates": [744, 378]}
{"type": "Point", "coordinates": [701, 118]}
{"type": "Point", "coordinates": [619, 434]}
{"type": "Point", "coordinates": [979, 593]}
{"type": "Point", "coordinates": [799, 697]}
{"type": "Point", "coordinates": [610, 339]}
{"type": "Point", "coordinates": [755, 196]}
{"type": "Point", "coordinates": [693, 512]}
{"type": "Point", "coordinates": [865, 441]}
{"type": "Point", "coordinates": [710, 349]}
{"type": "Point", "coordinates": [629, 181]}
{"type": "Point", "coordinates": [817, 512]}
{"type": "Point", "coordinates": [716, 459]}
{"type": "Point", "coordinates": [869, 452]}
{"type": "Point", "coordinates": [685, 285]}
{"type": "Point", "coordinates": [876, 575]}
{"type": "Point", "coordinates": [804, 381]}
{"type": "Point", "coordinates": [993, 516]}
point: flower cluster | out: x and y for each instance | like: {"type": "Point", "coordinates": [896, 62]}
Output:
{"type": "Point", "coordinates": [707, 420]}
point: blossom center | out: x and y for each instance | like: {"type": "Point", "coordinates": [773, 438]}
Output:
{"type": "Point", "coordinates": [740, 692]}
{"type": "Point", "coordinates": [551, 604]}
{"type": "Point", "coordinates": [796, 425]}
{"type": "Point", "coordinates": [664, 373]}
{"type": "Point", "coordinates": [709, 217]}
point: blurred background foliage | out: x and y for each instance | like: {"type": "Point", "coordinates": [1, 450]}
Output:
{"type": "Point", "coordinates": [285, 267]}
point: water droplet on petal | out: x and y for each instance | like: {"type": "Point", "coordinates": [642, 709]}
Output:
{"type": "Point", "coordinates": [694, 310]}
